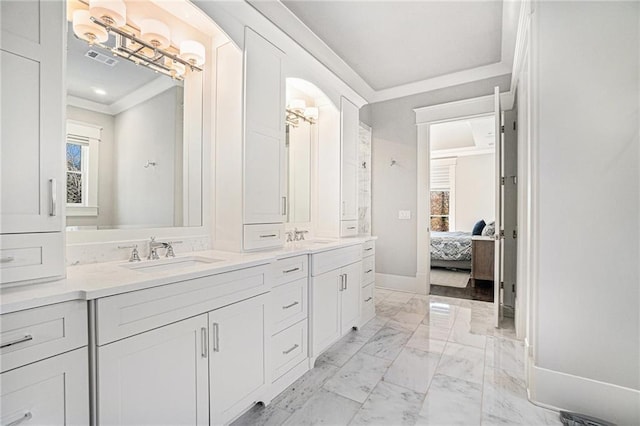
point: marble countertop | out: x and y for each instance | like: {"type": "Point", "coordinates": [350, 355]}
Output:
{"type": "Point", "coordinates": [96, 280]}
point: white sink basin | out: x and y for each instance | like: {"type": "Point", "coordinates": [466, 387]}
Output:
{"type": "Point", "coordinates": [170, 264]}
{"type": "Point", "coordinates": [314, 242]}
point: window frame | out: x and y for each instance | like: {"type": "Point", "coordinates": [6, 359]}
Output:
{"type": "Point", "coordinates": [450, 163]}
{"type": "Point", "coordinates": [88, 137]}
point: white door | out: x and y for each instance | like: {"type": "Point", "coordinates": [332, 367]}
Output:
{"type": "Point", "coordinates": [264, 144]}
{"type": "Point", "coordinates": [54, 391]}
{"type": "Point", "coordinates": [237, 367]}
{"type": "Point", "coordinates": [349, 116]}
{"type": "Point", "coordinates": [509, 213]}
{"type": "Point", "coordinates": [325, 299]}
{"type": "Point", "coordinates": [350, 297]}
{"type": "Point", "coordinates": [32, 116]}
{"type": "Point", "coordinates": [157, 377]}
{"type": "Point", "coordinates": [498, 239]}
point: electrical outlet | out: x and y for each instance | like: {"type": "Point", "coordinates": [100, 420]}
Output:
{"type": "Point", "coordinates": [404, 214]}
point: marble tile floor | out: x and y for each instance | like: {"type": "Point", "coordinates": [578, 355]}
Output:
{"type": "Point", "coordinates": [423, 360]}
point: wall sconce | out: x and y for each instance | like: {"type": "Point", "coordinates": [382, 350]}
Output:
{"type": "Point", "coordinates": [106, 17]}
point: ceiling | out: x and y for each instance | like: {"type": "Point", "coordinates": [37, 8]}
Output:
{"type": "Point", "coordinates": [463, 137]}
{"type": "Point", "coordinates": [392, 48]}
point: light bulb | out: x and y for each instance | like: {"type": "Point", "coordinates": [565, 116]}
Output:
{"type": "Point", "coordinates": [87, 30]}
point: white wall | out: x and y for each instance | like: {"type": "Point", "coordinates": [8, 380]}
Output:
{"type": "Point", "coordinates": [586, 124]}
{"type": "Point", "coordinates": [474, 191]}
{"type": "Point", "coordinates": [145, 196]}
{"type": "Point", "coordinates": [105, 167]}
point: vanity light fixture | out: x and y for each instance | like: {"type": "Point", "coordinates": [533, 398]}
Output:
{"type": "Point", "coordinates": [293, 116]}
{"type": "Point", "coordinates": [149, 47]}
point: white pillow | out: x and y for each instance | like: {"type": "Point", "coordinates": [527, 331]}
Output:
{"type": "Point", "coordinates": [489, 230]}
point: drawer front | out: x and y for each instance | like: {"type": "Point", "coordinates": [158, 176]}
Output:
{"type": "Point", "coordinates": [39, 333]}
{"type": "Point", "coordinates": [368, 248]}
{"type": "Point", "coordinates": [368, 303]}
{"type": "Point", "coordinates": [368, 270]}
{"type": "Point", "coordinates": [348, 228]}
{"type": "Point", "coordinates": [258, 237]}
{"type": "Point", "coordinates": [54, 391]}
{"type": "Point", "coordinates": [25, 257]}
{"type": "Point", "coordinates": [334, 259]}
{"type": "Point", "coordinates": [289, 348]}
{"type": "Point", "coordinates": [289, 304]}
{"type": "Point", "coordinates": [127, 314]}
{"type": "Point", "coordinates": [290, 269]}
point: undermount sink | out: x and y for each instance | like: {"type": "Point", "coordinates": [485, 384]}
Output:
{"type": "Point", "coordinates": [313, 242]}
{"type": "Point", "coordinates": [170, 264]}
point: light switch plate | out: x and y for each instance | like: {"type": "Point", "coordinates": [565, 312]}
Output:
{"type": "Point", "coordinates": [404, 214]}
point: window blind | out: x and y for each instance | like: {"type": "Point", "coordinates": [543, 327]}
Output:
{"type": "Point", "coordinates": [442, 172]}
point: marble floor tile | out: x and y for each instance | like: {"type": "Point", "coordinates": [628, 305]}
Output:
{"type": "Point", "coordinates": [405, 321]}
{"type": "Point", "coordinates": [324, 407]}
{"type": "Point", "coordinates": [270, 415]}
{"type": "Point", "coordinates": [417, 305]}
{"type": "Point", "coordinates": [358, 377]}
{"type": "Point", "coordinates": [413, 369]}
{"type": "Point", "coordinates": [440, 315]}
{"type": "Point", "coordinates": [381, 293]}
{"type": "Point", "coordinates": [451, 401]}
{"type": "Point", "coordinates": [506, 355]}
{"type": "Point", "coordinates": [373, 326]}
{"type": "Point", "coordinates": [389, 404]}
{"type": "Point", "coordinates": [340, 352]}
{"type": "Point", "coordinates": [462, 362]}
{"type": "Point", "coordinates": [296, 395]}
{"type": "Point", "coordinates": [398, 297]}
{"type": "Point", "coordinates": [463, 334]}
{"type": "Point", "coordinates": [421, 339]}
{"type": "Point", "coordinates": [388, 309]}
{"type": "Point", "coordinates": [386, 343]}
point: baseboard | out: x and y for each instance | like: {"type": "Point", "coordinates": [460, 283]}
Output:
{"type": "Point", "coordinates": [554, 389]}
{"type": "Point", "coordinates": [399, 283]}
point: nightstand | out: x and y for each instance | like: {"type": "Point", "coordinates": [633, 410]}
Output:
{"type": "Point", "coordinates": [482, 259]}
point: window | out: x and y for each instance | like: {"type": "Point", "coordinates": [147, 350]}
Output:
{"type": "Point", "coordinates": [82, 168]}
{"type": "Point", "coordinates": [76, 173]}
{"type": "Point", "coordinates": [442, 195]}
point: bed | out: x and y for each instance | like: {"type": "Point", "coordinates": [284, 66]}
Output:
{"type": "Point", "coordinates": [451, 250]}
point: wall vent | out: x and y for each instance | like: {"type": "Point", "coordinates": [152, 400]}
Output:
{"type": "Point", "coordinates": [97, 56]}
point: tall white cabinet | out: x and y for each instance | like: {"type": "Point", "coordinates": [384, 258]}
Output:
{"type": "Point", "coordinates": [251, 198]}
{"type": "Point", "coordinates": [338, 170]}
{"type": "Point", "coordinates": [32, 137]}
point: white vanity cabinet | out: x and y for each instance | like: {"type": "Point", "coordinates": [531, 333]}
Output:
{"type": "Point", "coordinates": [45, 369]}
{"type": "Point", "coordinates": [349, 119]}
{"type": "Point", "coordinates": [368, 302]}
{"type": "Point", "coordinates": [335, 295]}
{"type": "Point", "coordinates": [32, 140]}
{"type": "Point", "coordinates": [251, 197]}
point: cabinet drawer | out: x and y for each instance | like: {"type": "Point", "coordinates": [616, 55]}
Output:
{"type": "Point", "coordinates": [290, 269]}
{"type": "Point", "coordinates": [38, 333]}
{"type": "Point", "coordinates": [334, 259]}
{"type": "Point", "coordinates": [368, 248]}
{"type": "Point", "coordinates": [257, 237]}
{"type": "Point", "coordinates": [130, 313]}
{"type": "Point", "coordinates": [289, 348]}
{"type": "Point", "coordinates": [368, 270]}
{"type": "Point", "coordinates": [31, 257]}
{"type": "Point", "coordinates": [348, 228]}
{"type": "Point", "coordinates": [289, 304]}
{"type": "Point", "coordinates": [54, 391]}
{"type": "Point", "coordinates": [368, 303]}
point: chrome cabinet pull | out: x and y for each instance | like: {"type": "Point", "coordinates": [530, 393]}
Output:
{"type": "Point", "coordinates": [284, 206]}
{"type": "Point", "coordinates": [23, 339]}
{"type": "Point", "coordinates": [26, 416]}
{"type": "Point", "coordinates": [341, 282]}
{"type": "Point", "coordinates": [291, 305]}
{"type": "Point", "coordinates": [203, 341]}
{"type": "Point", "coordinates": [368, 299]}
{"type": "Point", "coordinates": [288, 271]}
{"type": "Point", "coordinates": [53, 197]}
{"type": "Point", "coordinates": [288, 351]}
{"type": "Point", "coordinates": [7, 259]}
{"type": "Point", "coordinates": [216, 337]}
{"type": "Point", "coordinates": [268, 236]}
{"type": "Point", "coordinates": [351, 228]}
{"type": "Point", "coordinates": [368, 249]}
{"type": "Point", "coordinates": [370, 270]}
{"type": "Point", "coordinates": [346, 281]}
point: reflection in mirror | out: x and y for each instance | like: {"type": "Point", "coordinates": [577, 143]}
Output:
{"type": "Point", "coordinates": [303, 100]}
{"type": "Point", "coordinates": [126, 162]}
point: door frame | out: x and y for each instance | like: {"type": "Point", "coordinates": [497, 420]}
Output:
{"type": "Point", "coordinates": [425, 117]}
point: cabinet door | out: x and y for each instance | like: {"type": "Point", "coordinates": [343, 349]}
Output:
{"type": "Point", "coordinates": [349, 174]}
{"type": "Point", "coordinates": [326, 310]}
{"type": "Point", "coordinates": [238, 373]}
{"type": "Point", "coordinates": [54, 391]}
{"type": "Point", "coordinates": [264, 145]}
{"type": "Point", "coordinates": [157, 377]}
{"type": "Point", "coordinates": [32, 116]}
{"type": "Point", "coordinates": [350, 297]}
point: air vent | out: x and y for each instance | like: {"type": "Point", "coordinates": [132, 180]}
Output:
{"type": "Point", "coordinates": [96, 56]}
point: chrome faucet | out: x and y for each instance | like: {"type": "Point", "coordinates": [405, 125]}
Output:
{"type": "Point", "coordinates": [290, 236]}
{"type": "Point", "coordinates": [153, 249]}
{"type": "Point", "coordinates": [299, 235]}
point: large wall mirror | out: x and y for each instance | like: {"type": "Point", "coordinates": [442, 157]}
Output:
{"type": "Point", "coordinates": [134, 140]}
{"type": "Point", "coordinates": [303, 102]}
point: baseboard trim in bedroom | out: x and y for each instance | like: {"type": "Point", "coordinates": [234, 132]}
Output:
{"type": "Point", "coordinates": [399, 283]}
{"type": "Point", "coordinates": [607, 401]}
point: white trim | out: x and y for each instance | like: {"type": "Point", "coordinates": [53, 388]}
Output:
{"type": "Point", "coordinates": [399, 283]}
{"type": "Point", "coordinates": [579, 394]}
{"type": "Point", "coordinates": [87, 104]}
{"type": "Point", "coordinates": [82, 211]}
{"type": "Point", "coordinates": [472, 107]}
{"type": "Point", "coordinates": [461, 152]}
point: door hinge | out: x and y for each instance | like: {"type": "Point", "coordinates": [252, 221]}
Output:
{"type": "Point", "coordinates": [513, 289]}
{"type": "Point", "coordinates": [515, 126]}
{"type": "Point", "coordinates": [501, 181]}
{"type": "Point", "coordinates": [502, 284]}
{"type": "Point", "coordinates": [515, 234]}
{"type": "Point", "coordinates": [502, 233]}
{"type": "Point", "coordinates": [501, 129]}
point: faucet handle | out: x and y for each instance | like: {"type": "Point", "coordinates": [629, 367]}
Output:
{"type": "Point", "coordinates": [135, 256]}
{"type": "Point", "coordinates": [169, 246]}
